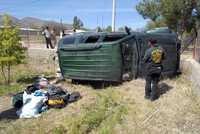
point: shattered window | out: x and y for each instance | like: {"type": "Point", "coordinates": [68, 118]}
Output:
{"type": "Point", "coordinates": [92, 39]}
{"type": "Point", "coordinates": [112, 38]}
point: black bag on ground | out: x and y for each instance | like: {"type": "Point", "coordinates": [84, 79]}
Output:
{"type": "Point", "coordinates": [74, 96]}
{"type": "Point", "coordinates": [57, 98]}
{"type": "Point", "coordinates": [17, 100]}
{"type": "Point", "coordinates": [31, 89]}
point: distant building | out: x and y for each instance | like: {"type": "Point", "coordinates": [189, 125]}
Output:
{"type": "Point", "coordinates": [27, 31]}
{"type": "Point", "coordinates": [70, 31]}
{"type": "Point", "coordinates": [30, 31]}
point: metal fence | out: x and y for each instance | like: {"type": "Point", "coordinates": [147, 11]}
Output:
{"type": "Point", "coordinates": [196, 49]}
{"type": "Point", "coordinates": [35, 41]}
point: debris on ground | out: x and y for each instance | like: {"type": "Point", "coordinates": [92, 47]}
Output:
{"type": "Point", "coordinates": [41, 96]}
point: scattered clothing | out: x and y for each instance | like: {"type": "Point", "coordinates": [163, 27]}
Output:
{"type": "Point", "coordinates": [41, 83]}
{"type": "Point", "coordinates": [56, 103]}
{"type": "Point", "coordinates": [17, 100]}
{"type": "Point", "coordinates": [32, 105]}
{"type": "Point", "coordinates": [35, 100]}
{"type": "Point", "coordinates": [57, 97]}
{"type": "Point", "coordinates": [31, 89]}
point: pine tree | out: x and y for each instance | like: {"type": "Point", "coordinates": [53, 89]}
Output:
{"type": "Point", "coordinates": [77, 23]}
{"type": "Point", "coordinates": [11, 50]}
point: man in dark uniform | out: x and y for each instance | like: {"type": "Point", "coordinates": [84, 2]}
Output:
{"type": "Point", "coordinates": [153, 67]}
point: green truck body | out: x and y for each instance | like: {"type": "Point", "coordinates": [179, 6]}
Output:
{"type": "Point", "coordinates": [112, 56]}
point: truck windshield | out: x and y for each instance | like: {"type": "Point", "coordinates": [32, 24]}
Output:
{"type": "Point", "coordinates": [69, 40]}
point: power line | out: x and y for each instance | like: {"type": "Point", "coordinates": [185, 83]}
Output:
{"type": "Point", "coordinates": [35, 1]}
{"type": "Point", "coordinates": [102, 17]}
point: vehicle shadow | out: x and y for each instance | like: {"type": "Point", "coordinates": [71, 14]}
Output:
{"type": "Point", "coordinates": [9, 114]}
{"type": "Point", "coordinates": [96, 84]}
{"type": "Point", "coordinates": [164, 88]}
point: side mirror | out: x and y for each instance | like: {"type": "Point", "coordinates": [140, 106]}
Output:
{"type": "Point", "coordinates": [127, 30]}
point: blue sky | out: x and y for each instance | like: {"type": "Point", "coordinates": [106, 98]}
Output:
{"type": "Point", "coordinates": [91, 12]}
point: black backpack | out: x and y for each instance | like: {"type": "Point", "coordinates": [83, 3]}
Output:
{"type": "Point", "coordinates": [58, 98]}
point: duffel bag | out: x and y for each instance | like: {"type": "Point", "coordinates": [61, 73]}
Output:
{"type": "Point", "coordinates": [56, 103]}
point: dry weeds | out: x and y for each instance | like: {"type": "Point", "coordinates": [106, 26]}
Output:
{"type": "Point", "coordinates": [119, 109]}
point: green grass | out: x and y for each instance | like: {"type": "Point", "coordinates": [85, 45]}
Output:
{"type": "Point", "coordinates": [11, 89]}
{"type": "Point", "coordinates": [21, 76]}
{"type": "Point", "coordinates": [120, 109]}
{"type": "Point", "coordinates": [101, 117]}
{"type": "Point", "coordinates": [116, 117]}
{"type": "Point", "coordinates": [27, 77]}
{"type": "Point", "coordinates": [59, 130]}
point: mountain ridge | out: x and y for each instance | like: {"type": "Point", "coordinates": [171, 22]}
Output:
{"type": "Point", "coordinates": [32, 22]}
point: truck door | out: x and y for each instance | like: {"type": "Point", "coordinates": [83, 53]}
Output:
{"type": "Point", "coordinates": [129, 58]}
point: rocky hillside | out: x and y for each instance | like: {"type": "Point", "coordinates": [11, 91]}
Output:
{"type": "Point", "coordinates": [34, 22]}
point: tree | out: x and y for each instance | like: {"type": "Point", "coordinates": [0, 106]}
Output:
{"type": "Point", "coordinates": [77, 23]}
{"type": "Point", "coordinates": [149, 9]}
{"type": "Point", "coordinates": [121, 29]}
{"type": "Point", "coordinates": [177, 14]}
{"type": "Point", "coordinates": [11, 50]}
{"type": "Point", "coordinates": [108, 29]}
{"type": "Point", "coordinates": [98, 29]}
{"type": "Point", "coordinates": [155, 24]}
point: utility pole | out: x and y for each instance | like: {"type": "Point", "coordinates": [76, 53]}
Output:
{"type": "Point", "coordinates": [62, 29]}
{"type": "Point", "coordinates": [61, 23]}
{"type": "Point", "coordinates": [97, 21]}
{"type": "Point", "coordinates": [102, 25]}
{"type": "Point", "coordinates": [113, 15]}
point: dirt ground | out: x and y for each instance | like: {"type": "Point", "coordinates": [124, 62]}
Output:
{"type": "Point", "coordinates": [117, 109]}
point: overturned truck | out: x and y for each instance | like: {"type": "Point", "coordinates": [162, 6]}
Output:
{"type": "Point", "coordinates": [114, 56]}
